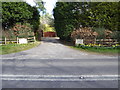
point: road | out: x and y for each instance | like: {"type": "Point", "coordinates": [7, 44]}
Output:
{"type": "Point", "coordinates": [54, 65]}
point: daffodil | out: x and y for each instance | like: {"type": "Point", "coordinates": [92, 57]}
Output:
{"type": "Point", "coordinates": [117, 45]}
{"type": "Point", "coordinates": [113, 45]}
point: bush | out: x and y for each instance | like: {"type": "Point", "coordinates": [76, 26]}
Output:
{"type": "Point", "coordinates": [23, 30]}
{"type": "Point", "coordinates": [85, 33]}
{"type": "Point", "coordinates": [9, 34]}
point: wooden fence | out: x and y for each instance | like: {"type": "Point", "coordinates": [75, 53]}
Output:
{"type": "Point", "coordinates": [102, 41]}
{"type": "Point", "coordinates": [99, 41]}
{"type": "Point", "coordinates": [107, 41]}
{"type": "Point", "coordinates": [8, 41]}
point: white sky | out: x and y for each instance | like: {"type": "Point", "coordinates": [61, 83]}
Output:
{"type": "Point", "coordinates": [49, 4]}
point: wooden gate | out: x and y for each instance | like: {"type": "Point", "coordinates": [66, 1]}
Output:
{"type": "Point", "coordinates": [49, 34]}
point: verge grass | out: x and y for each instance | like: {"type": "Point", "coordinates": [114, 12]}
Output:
{"type": "Point", "coordinates": [99, 50]}
{"type": "Point", "coordinates": [13, 48]}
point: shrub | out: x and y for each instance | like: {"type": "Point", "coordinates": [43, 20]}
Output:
{"type": "Point", "coordinates": [85, 33]}
{"type": "Point", "coordinates": [23, 30]}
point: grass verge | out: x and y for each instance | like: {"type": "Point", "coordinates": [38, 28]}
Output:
{"type": "Point", "coordinates": [13, 48]}
{"type": "Point", "coordinates": [105, 51]}
{"type": "Point", "coordinates": [99, 51]}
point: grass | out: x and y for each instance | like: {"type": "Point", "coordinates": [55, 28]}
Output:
{"type": "Point", "coordinates": [99, 51]}
{"type": "Point", "coordinates": [105, 51]}
{"type": "Point", "coordinates": [13, 48]}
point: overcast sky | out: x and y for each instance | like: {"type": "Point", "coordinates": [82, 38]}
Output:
{"type": "Point", "coordinates": [49, 4]}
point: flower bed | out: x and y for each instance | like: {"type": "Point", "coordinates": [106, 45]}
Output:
{"type": "Point", "coordinates": [98, 46]}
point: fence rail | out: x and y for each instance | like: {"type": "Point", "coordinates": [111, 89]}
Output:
{"type": "Point", "coordinates": [5, 40]}
{"type": "Point", "coordinates": [98, 41]}
{"type": "Point", "coordinates": [107, 41]}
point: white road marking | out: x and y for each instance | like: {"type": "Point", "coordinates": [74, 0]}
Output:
{"type": "Point", "coordinates": [19, 79]}
{"type": "Point", "coordinates": [60, 77]}
{"type": "Point", "coordinates": [7, 75]}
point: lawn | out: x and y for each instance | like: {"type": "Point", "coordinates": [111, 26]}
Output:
{"type": "Point", "coordinates": [13, 48]}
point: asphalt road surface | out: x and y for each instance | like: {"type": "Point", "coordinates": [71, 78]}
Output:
{"type": "Point", "coordinates": [54, 65]}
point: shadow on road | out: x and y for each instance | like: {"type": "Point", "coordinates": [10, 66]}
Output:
{"type": "Point", "coordinates": [56, 40]}
{"type": "Point", "coordinates": [50, 39]}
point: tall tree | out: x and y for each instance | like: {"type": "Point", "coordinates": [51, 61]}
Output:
{"type": "Point", "coordinates": [13, 12]}
{"type": "Point", "coordinates": [72, 15]}
{"type": "Point", "coordinates": [47, 19]}
{"type": "Point", "coordinates": [40, 5]}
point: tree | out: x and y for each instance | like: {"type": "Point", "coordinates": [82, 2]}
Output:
{"type": "Point", "coordinates": [13, 12]}
{"type": "Point", "coordinates": [47, 23]}
{"type": "Point", "coordinates": [40, 5]}
{"type": "Point", "coordinates": [47, 19]}
{"type": "Point", "coordinates": [34, 21]}
{"type": "Point", "coordinates": [104, 14]}
{"type": "Point", "coordinates": [63, 19]}
{"type": "Point", "coordinates": [70, 16]}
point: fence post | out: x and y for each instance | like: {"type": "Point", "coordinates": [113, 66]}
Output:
{"type": "Point", "coordinates": [34, 39]}
{"type": "Point", "coordinates": [17, 40]}
{"type": "Point", "coordinates": [5, 40]}
{"type": "Point", "coordinates": [95, 41]}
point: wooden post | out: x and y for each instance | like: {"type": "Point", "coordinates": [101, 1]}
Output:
{"type": "Point", "coordinates": [34, 39]}
{"type": "Point", "coordinates": [5, 40]}
{"type": "Point", "coordinates": [95, 41]}
{"type": "Point", "coordinates": [17, 40]}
